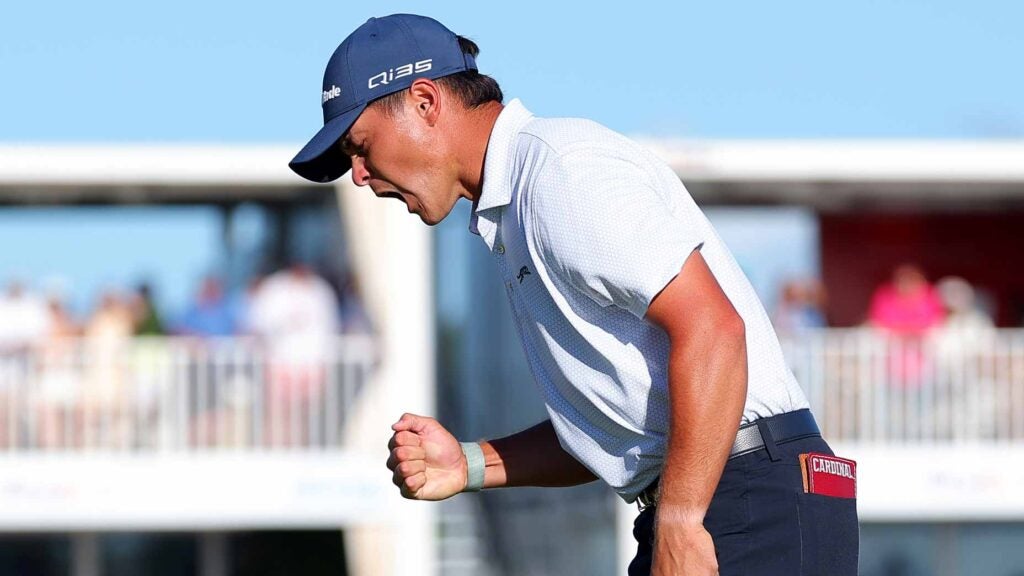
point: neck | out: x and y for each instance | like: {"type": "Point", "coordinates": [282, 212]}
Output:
{"type": "Point", "coordinates": [474, 132]}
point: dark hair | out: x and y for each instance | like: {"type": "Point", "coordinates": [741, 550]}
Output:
{"type": "Point", "coordinates": [471, 87]}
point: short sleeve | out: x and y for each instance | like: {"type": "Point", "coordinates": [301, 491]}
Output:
{"type": "Point", "coordinates": [601, 227]}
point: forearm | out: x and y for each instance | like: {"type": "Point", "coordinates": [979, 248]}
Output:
{"type": "Point", "coordinates": [707, 392]}
{"type": "Point", "coordinates": [532, 457]}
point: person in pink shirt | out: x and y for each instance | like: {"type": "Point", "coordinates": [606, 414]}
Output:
{"type": "Point", "coordinates": [907, 305]}
{"type": "Point", "coordinates": [906, 308]}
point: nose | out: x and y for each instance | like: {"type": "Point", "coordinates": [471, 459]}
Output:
{"type": "Point", "coordinates": [360, 175]}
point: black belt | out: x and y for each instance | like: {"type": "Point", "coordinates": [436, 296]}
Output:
{"type": "Point", "coordinates": [783, 428]}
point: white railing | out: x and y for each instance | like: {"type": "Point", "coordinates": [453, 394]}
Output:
{"type": "Point", "coordinates": [943, 387]}
{"type": "Point", "coordinates": [180, 394]}
{"type": "Point", "coordinates": [187, 395]}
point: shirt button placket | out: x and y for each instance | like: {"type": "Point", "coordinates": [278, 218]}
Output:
{"type": "Point", "coordinates": [499, 249]}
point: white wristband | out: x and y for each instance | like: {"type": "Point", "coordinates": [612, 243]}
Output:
{"type": "Point", "coordinates": [475, 464]}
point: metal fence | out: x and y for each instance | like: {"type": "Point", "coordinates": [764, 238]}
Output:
{"type": "Point", "coordinates": [946, 386]}
{"type": "Point", "coordinates": [180, 394]}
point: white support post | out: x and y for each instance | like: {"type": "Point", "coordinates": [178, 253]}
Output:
{"type": "Point", "coordinates": [391, 253]}
{"type": "Point", "coordinates": [85, 554]}
{"type": "Point", "coordinates": [625, 544]}
{"type": "Point", "coordinates": [213, 554]}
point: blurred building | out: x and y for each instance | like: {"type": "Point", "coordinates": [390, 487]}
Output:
{"type": "Point", "coordinates": [193, 471]}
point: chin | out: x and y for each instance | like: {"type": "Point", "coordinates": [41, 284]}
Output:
{"type": "Point", "coordinates": [430, 221]}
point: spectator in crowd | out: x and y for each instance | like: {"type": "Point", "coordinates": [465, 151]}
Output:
{"type": "Point", "coordinates": [62, 325]}
{"type": "Point", "coordinates": [962, 348]}
{"type": "Point", "coordinates": [112, 322]}
{"type": "Point", "coordinates": [243, 306]}
{"type": "Point", "coordinates": [963, 314]}
{"type": "Point", "coordinates": [801, 307]}
{"type": "Point", "coordinates": [800, 310]}
{"type": "Point", "coordinates": [24, 324]}
{"type": "Point", "coordinates": [24, 319]}
{"type": "Point", "coordinates": [214, 313]}
{"type": "Point", "coordinates": [907, 305]}
{"type": "Point", "coordinates": [107, 336]}
{"type": "Point", "coordinates": [144, 313]}
{"type": "Point", "coordinates": [295, 312]}
{"type": "Point", "coordinates": [59, 382]}
{"type": "Point", "coordinates": [211, 314]}
{"type": "Point", "coordinates": [905, 309]}
{"type": "Point", "coordinates": [149, 359]}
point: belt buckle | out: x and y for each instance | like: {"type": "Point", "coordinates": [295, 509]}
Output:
{"type": "Point", "coordinates": [647, 498]}
{"type": "Point", "coordinates": [642, 503]}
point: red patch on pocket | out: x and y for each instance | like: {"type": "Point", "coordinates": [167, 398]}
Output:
{"type": "Point", "coordinates": [829, 475]}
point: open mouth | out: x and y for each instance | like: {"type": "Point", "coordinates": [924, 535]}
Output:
{"type": "Point", "coordinates": [394, 195]}
{"type": "Point", "coordinates": [397, 196]}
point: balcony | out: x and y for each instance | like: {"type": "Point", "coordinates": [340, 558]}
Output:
{"type": "Point", "coordinates": [866, 387]}
{"type": "Point", "coordinates": [180, 395]}
{"type": "Point", "coordinates": [936, 423]}
{"type": "Point", "coordinates": [171, 433]}
{"type": "Point", "coordinates": [175, 433]}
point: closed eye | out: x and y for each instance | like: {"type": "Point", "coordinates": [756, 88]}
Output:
{"type": "Point", "coordinates": [349, 148]}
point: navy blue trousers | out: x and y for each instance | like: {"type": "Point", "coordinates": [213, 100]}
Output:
{"type": "Point", "coordinates": [763, 523]}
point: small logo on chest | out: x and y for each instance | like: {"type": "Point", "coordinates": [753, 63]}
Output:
{"type": "Point", "coordinates": [523, 272]}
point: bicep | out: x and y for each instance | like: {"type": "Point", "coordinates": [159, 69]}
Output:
{"type": "Point", "coordinates": [692, 302]}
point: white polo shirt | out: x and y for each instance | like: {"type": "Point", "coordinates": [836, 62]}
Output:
{"type": "Point", "coordinates": [587, 227]}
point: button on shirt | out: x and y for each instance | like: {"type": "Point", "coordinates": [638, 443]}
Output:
{"type": "Point", "coordinates": [587, 227]}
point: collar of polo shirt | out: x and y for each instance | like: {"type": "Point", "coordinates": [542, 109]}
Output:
{"type": "Point", "coordinates": [496, 191]}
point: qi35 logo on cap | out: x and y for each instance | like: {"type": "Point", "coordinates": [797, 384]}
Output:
{"type": "Point", "coordinates": [388, 76]}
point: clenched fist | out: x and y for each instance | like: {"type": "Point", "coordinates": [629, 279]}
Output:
{"type": "Point", "coordinates": [427, 461]}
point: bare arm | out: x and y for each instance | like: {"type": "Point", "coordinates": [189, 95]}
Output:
{"type": "Point", "coordinates": [428, 464]}
{"type": "Point", "coordinates": [532, 457]}
{"type": "Point", "coordinates": [707, 391]}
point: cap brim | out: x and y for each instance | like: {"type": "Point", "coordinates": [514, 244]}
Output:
{"type": "Point", "coordinates": [320, 160]}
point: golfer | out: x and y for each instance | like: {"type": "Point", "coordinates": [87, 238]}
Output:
{"type": "Point", "coordinates": [660, 370]}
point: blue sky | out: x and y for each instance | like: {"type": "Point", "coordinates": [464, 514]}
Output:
{"type": "Point", "coordinates": [79, 253]}
{"type": "Point", "coordinates": [250, 71]}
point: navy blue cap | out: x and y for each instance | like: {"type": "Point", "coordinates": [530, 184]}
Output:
{"type": "Point", "coordinates": [381, 57]}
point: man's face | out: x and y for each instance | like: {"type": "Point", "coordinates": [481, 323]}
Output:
{"type": "Point", "coordinates": [404, 155]}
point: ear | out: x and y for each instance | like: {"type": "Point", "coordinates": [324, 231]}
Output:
{"type": "Point", "coordinates": [426, 100]}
